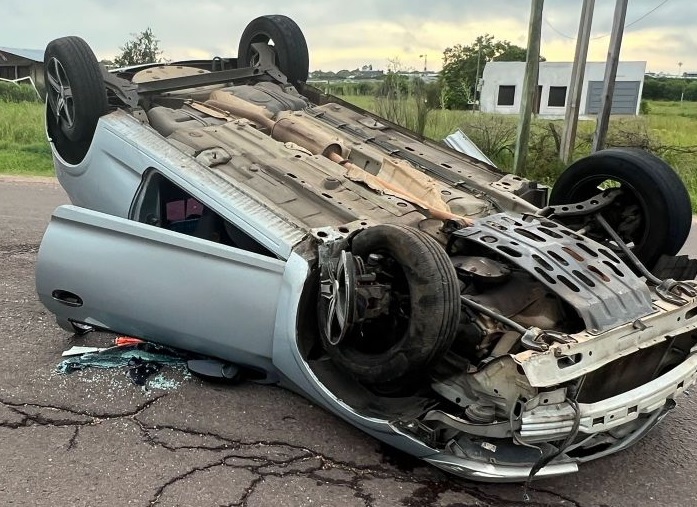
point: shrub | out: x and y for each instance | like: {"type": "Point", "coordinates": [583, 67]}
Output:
{"type": "Point", "coordinates": [350, 88]}
{"type": "Point", "coordinates": [494, 134]}
{"type": "Point", "coordinates": [406, 102]}
{"type": "Point", "coordinates": [11, 92]}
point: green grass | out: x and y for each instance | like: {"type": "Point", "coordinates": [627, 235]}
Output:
{"type": "Point", "coordinates": [23, 146]}
{"type": "Point", "coordinates": [670, 129]}
{"type": "Point", "coordinates": [662, 108]}
{"type": "Point", "coordinates": [440, 123]}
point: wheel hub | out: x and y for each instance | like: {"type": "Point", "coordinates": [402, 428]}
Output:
{"type": "Point", "coordinates": [338, 291]}
{"type": "Point", "coordinates": [60, 93]}
{"type": "Point", "coordinates": [351, 295]}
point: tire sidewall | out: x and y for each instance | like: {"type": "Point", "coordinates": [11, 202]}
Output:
{"type": "Point", "coordinates": [664, 201]}
{"type": "Point", "coordinates": [289, 44]}
{"type": "Point", "coordinates": [434, 306]}
{"type": "Point", "coordinates": [87, 86]}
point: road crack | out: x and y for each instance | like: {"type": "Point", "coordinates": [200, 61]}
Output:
{"type": "Point", "coordinates": [95, 416]}
{"type": "Point", "coordinates": [261, 458]}
{"type": "Point", "coordinates": [72, 443]}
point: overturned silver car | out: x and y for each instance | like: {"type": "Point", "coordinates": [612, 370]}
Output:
{"type": "Point", "coordinates": [457, 313]}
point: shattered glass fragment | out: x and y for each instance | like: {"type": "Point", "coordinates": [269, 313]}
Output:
{"type": "Point", "coordinates": [142, 361]}
{"type": "Point", "coordinates": [139, 370]}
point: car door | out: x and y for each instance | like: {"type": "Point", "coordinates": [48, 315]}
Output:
{"type": "Point", "coordinates": [159, 284]}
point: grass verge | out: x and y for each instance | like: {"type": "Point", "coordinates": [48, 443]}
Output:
{"type": "Point", "coordinates": [670, 130]}
{"type": "Point", "coordinates": [23, 146]}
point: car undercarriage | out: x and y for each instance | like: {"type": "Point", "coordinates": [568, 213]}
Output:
{"type": "Point", "coordinates": [451, 310]}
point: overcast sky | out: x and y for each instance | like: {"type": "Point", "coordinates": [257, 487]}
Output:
{"type": "Point", "coordinates": [347, 34]}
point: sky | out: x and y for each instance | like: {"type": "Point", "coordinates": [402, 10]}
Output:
{"type": "Point", "coordinates": [348, 34]}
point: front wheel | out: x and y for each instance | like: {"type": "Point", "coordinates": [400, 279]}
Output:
{"type": "Point", "coordinates": [653, 211]}
{"type": "Point", "coordinates": [419, 324]}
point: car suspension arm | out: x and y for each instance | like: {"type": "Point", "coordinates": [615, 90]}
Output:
{"type": "Point", "coordinates": [532, 338]}
{"type": "Point", "coordinates": [668, 289]}
{"type": "Point", "coordinates": [130, 93]}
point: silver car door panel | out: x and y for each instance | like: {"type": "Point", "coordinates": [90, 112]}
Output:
{"type": "Point", "coordinates": [164, 286]}
{"type": "Point", "coordinates": [107, 178]}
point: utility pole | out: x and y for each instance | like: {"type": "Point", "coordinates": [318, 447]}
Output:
{"type": "Point", "coordinates": [476, 79]}
{"type": "Point", "coordinates": [532, 67]}
{"type": "Point", "coordinates": [613, 56]}
{"type": "Point", "coordinates": [568, 138]}
{"type": "Point", "coordinates": [425, 57]}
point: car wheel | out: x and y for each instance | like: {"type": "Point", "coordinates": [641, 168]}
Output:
{"type": "Point", "coordinates": [74, 87]}
{"type": "Point", "coordinates": [289, 46]}
{"type": "Point", "coordinates": [653, 212]}
{"type": "Point", "coordinates": [423, 315]}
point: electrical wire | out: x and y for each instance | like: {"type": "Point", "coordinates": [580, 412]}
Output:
{"type": "Point", "coordinates": [545, 459]}
{"type": "Point", "coordinates": [647, 14]}
{"type": "Point", "coordinates": [628, 25]}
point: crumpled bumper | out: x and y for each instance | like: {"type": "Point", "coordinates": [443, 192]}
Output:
{"type": "Point", "coordinates": [501, 460]}
{"type": "Point", "coordinates": [554, 421]}
{"type": "Point", "coordinates": [495, 472]}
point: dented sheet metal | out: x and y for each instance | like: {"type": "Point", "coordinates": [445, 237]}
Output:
{"type": "Point", "coordinates": [554, 420]}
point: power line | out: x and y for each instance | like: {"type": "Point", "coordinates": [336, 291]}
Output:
{"type": "Point", "coordinates": [557, 31]}
{"type": "Point", "coordinates": [647, 14]}
{"type": "Point", "coordinates": [640, 18]}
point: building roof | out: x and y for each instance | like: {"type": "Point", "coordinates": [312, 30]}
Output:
{"type": "Point", "coordinates": [36, 55]}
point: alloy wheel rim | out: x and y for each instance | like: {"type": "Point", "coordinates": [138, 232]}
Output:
{"type": "Point", "coordinates": [60, 93]}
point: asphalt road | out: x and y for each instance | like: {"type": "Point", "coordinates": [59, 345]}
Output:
{"type": "Point", "coordinates": [94, 438]}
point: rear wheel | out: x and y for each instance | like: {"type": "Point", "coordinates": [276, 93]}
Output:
{"type": "Point", "coordinates": [424, 311]}
{"type": "Point", "coordinates": [74, 88]}
{"type": "Point", "coordinates": [285, 38]}
{"type": "Point", "coordinates": [653, 212]}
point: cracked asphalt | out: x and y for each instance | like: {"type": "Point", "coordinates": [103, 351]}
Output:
{"type": "Point", "coordinates": [94, 438]}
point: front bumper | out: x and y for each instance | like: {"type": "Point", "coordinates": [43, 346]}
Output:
{"type": "Point", "coordinates": [552, 421]}
{"type": "Point", "coordinates": [477, 460]}
{"type": "Point", "coordinates": [457, 463]}
{"type": "Point", "coordinates": [618, 422]}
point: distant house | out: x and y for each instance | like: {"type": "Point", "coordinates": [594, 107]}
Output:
{"type": "Point", "coordinates": [17, 63]}
{"type": "Point", "coordinates": [502, 88]}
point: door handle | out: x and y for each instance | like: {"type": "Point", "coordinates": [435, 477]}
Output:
{"type": "Point", "coordinates": [66, 297]}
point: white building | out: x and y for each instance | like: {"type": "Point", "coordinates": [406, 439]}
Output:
{"type": "Point", "coordinates": [502, 88]}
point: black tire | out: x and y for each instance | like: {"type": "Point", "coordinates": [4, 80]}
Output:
{"type": "Point", "coordinates": [408, 347]}
{"type": "Point", "coordinates": [649, 183]}
{"type": "Point", "coordinates": [70, 64]}
{"type": "Point", "coordinates": [292, 57]}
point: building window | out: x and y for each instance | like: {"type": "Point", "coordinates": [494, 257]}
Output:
{"type": "Point", "coordinates": [8, 72]}
{"type": "Point", "coordinates": [506, 95]}
{"type": "Point", "coordinates": [557, 96]}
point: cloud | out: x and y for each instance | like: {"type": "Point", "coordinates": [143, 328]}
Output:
{"type": "Point", "coordinates": [344, 34]}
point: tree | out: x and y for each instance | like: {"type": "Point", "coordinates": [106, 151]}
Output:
{"type": "Point", "coordinates": [460, 64]}
{"type": "Point", "coordinates": [666, 88]}
{"type": "Point", "coordinates": [142, 48]}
